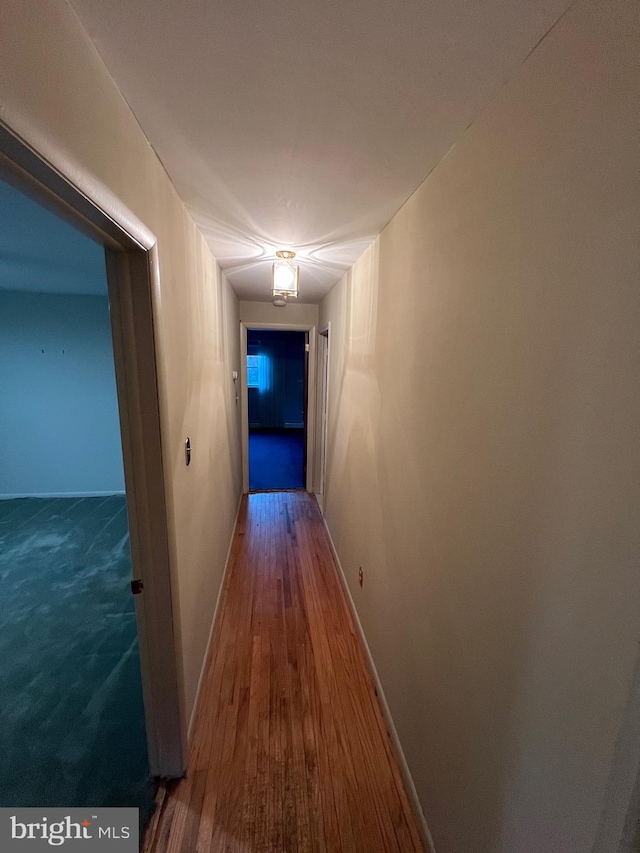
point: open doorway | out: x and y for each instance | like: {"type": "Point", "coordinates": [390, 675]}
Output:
{"type": "Point", "coordinates": [277, 408]}
{"type": "Point", "coordinates": [139, 522]}
{"type": "Point", "coordinates": [72, 721]}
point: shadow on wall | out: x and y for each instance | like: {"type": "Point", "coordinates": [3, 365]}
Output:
{"type": "Point", "coordinates": [620, 827]}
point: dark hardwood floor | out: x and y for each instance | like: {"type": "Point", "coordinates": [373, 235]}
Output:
{"type": "Point", "coordinates": [290, 751]}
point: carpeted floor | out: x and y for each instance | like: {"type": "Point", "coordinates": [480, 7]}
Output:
{"type": "Point", "coordinates": [72, 729]}
{"type": "Point", "coordinates": [276, 459]}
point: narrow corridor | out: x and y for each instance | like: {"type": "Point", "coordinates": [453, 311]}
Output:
{"type": "Point", "coordinates": [290, 751]}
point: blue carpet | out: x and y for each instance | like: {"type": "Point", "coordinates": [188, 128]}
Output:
{"type": "Point", "coordinates": [72, 729]}
{"type": "Point", "coordinates": [275, 459]}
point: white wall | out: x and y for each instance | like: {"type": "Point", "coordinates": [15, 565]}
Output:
{"type": "Point", "coordinates": [55, 86]}
{"type": "Point", "coordinates": [267, 312]}
{"type": "Point", "coordinates": [483, 454]}
{"type": "Point", "coordinates": [59, 427]}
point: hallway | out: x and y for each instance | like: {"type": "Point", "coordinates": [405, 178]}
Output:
{"type": "Point", "coordinates": [290, 751]}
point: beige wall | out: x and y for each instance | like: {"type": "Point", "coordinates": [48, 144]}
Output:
{"type": "Point", "coordinates": [54, 84]}
{"type": "Point", "coordinates": [483, 462]}
{"type": "Point", "coordinates": [267, 312]}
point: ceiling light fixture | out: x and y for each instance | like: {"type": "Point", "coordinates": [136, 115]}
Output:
{"type": "Point", "coordinates": [285, 278]}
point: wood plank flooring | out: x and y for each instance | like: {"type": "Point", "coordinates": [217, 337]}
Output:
{"type": "Point", "coordinates": [290, 750]}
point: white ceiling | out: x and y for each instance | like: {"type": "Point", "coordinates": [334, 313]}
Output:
{"type": "Point", "coordinates": [41, 253]}
{"type": "Point", "coordinates": [305, 124]}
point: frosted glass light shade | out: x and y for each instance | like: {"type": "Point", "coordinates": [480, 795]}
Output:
{"type": "Point", "coordinates": [285, 277]}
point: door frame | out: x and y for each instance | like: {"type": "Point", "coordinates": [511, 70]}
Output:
{"type": "Point", "coordinates": [323, 338]}
{"type": "Point", "coordinates": [134, 293]}
{"type": "Point", "coordinates": [310, 425]}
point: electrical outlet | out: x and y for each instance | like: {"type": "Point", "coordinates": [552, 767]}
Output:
{"type": "Point", "coordinates": [361, 576]}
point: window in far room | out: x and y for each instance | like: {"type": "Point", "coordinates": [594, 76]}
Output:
{"type": "Point", "coordinates": [253, 371]}
{"type": "Point", "coordinates": [259, 372]}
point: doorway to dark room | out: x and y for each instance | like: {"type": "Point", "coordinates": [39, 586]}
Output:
{"type": "Point", "coordinates": [277, 408]}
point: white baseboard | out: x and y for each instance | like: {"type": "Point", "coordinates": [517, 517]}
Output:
{"type": "Point", "coordinates": [404, 767]}
{"type": "Point", "coordinates": [203, 671]}
{"type": "Point", "coordinates": [8, 497]}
